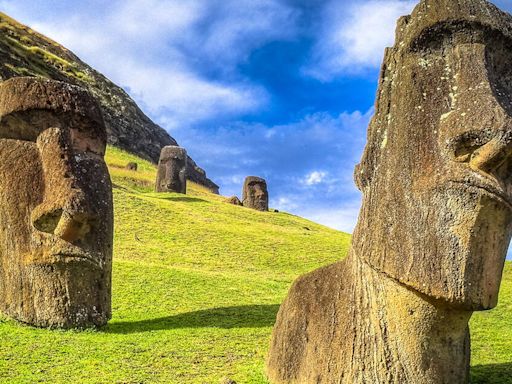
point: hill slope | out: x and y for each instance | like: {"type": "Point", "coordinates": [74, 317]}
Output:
{"type": "Point", "coordinates": [197, 285]}
{"type": "Point", "coordinates": [25, 52]}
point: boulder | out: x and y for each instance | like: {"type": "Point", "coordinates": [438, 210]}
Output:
{"type": "Point", "coordinates": [234, 200]}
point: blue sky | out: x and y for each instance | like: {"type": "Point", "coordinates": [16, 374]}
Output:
{"type": "Point", "coordinates": [282, 89]}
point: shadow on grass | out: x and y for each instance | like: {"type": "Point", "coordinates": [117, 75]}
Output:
{"type": "Point", "coordinates": [181, 198]}
{"type": "Point", "coordinates": [246, 316]}
{"type": "Point", "coordinates": [492, 374]}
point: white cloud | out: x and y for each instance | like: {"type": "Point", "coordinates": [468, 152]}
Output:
{"type": "Point", "coordinates": [156, 19]}
{"type": "Point", "coordinates": [342, 216]}
{"type": "Point", "coordinates": [315, 177]}
{"type": "Point", "coordinates": [355, 35]}
{"type": "Point", "coordinates": [284, 203]}
{"type": "Point", "coordinates": [152, 48]}
{"type": "Point", "coordinates": [240, 26]}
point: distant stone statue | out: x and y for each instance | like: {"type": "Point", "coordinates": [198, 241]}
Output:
{"type": "Point", "coordinates": [132, 166]}
{"type": "Point", "coordinates": [172, 170]}
{"type": "Point", "coordinates": [435, 223]}
{"type": "Point", "coordinates": [56, 217]}
{"type": "Point", "coordinates": [255, 194]}
{"type": "Point", "coordinates": [234, 200]}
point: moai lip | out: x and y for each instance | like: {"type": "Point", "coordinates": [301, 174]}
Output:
{"type": "Point", "coordinates": [436, 218]}
{"type": "Point", "coordinates": [172, 170]}
{"type": "Point", "coordinates": [56, 227]}
{"type": "Point", "coordinates": [255, 193]}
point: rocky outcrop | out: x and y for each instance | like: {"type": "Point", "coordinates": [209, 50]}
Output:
{"type": "Point", "coordinates": [234, 200]}
{"type": "Point", "coordinates": [436, 219]}
{"type": "Point", "coordinates": [24, 52]}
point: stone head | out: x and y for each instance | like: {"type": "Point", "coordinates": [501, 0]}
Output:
{"type": "Point", "coordinates": [436, 174]}
{"type": "Point", "coordinates": [255, 194]}
{"type": "Point", "coordinates": [172, 170]}
{"type": "Point", "coordinates": [56, 217]}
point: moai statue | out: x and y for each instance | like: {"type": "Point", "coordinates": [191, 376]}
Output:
{"type": "Point", "coordinates": [56, 216]}
{"type": "Point", "coordinates": [255, 194]}
{"type": "Point", "coordinates": [131, 166]}
{"type": "Point", "coordinates": [172, 170]}
{"type": "Point", "coordinates": [435, 223]}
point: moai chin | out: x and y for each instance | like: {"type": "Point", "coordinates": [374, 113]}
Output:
{"type": "Point", "coordinates": [56, 221]}
{"type": "Point", "coordinates": [435, 223]}
{"type": "Point", "coordinates": [255, 194]}
{"type": "Point", "coordinates": [172, 170]}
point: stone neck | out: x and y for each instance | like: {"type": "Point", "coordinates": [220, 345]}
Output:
{"type": "Point", "coordinates": [402, 336]}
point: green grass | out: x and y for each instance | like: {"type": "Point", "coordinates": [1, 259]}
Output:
{"type": "Point", "coordinates": [197, 284]}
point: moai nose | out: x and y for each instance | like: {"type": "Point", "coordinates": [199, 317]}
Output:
{"type": "Point", "coordinates": [73, 226]}
{"type": "Point", "coordinates": [67, 225]}
{"type": "Point", "coordinates": [493, 154]}
{"type": "Point", "coordinates": [64, 211]}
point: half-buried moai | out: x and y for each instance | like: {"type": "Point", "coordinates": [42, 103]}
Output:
{"type": "Point", "coordinates": [56, 217]}
{"type": "Point", "coordinates": [255, 194]}
{"type": "Point", "coordinates": [172, 170]}
{"type": "Point", "coordinates": [435, 223]}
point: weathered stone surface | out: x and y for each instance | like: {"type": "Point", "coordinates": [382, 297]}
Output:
{"type": "Point", "coordinates": [172, 170]}
{"type": "Point", "coordinates": [56, 221]}
{"type": "Point", "coordinates": [131, 166]}
{"type": "Point", "coordinates": [127, 125]}
{"type": "Point", "coordinates": [234, 200]}
{"type": "Point", "coordinates": [255, 194]}
{"type": "Point", "coordinates": [435, 223]}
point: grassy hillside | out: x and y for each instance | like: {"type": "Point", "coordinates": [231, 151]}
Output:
{"type": "Point", "coordinates": [25, 52]}
{"type": "Point", "coordinates": [197, 284]}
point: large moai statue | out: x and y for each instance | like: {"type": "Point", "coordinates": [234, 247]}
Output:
{"type": "Point", "coordinates": [255, 194]}
{"type": "Point", "coordinates": [435, 223]}
{"type": "Point", "coordinates": [56, 217]}
{"type": "Point", "coordinates": [172, 170]}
